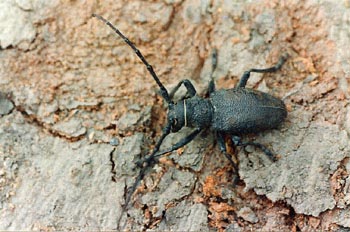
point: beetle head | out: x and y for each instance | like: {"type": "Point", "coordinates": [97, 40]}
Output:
{"type": "Point", "coordinates": [176, 116]}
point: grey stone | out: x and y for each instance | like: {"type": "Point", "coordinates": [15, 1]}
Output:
{"type": "Point", "coordinates": [186, 217]}
{"type": "Point", "coordinates": [248, 215]}
{"type": "Point", "coordinates": [71, 128]}
{"type": "Point", "coordinates": [114, 142]}
{"type": "Point", "coordinates": [6, 105]}
{"type": "Point", "coordinates": [17, 21]}
{"type": "Point", "coordinates": [15, 25]}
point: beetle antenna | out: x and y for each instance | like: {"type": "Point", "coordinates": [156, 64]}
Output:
{"type": "Point", "coordinates": [146, 165]}
{"type": "Point", "coordinates": [163, 90]}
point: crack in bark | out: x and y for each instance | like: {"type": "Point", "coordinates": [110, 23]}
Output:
{"type": "Point", "coordinates": [34, 119]}
{"type": "Point", "coordinates": [114, 173]}
{"type": "Point", "coordinates": [154, 221]}
{"type": "Point", "coordinates": [31, 118]}
{"type": "Point", "coordinates": [305, 131]}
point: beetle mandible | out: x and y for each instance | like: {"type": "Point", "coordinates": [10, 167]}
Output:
{"type": "Point", "coordinates": [233, 112]}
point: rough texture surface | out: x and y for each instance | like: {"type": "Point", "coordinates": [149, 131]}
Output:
{"type": "Point", "coordinates": [78, 109]}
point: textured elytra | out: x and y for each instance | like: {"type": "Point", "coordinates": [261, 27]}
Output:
{"type": "Point", "coordinates": [241, 111]}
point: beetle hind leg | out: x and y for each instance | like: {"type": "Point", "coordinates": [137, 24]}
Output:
{"type": "Point", "coordinates": [238, 142]}
{"type": "Point", "coordinates": [242, 83]}
{"type": "Point", "coordinates": [222, 146]}
{"type": "Point", "coordinates": [214, 61]}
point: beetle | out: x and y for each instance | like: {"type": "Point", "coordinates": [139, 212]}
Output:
{"type": "Point", "coordinates": [232, 112]}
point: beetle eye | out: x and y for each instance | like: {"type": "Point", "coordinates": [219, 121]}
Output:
{"type": "Point", "coordinates": [174, 123]}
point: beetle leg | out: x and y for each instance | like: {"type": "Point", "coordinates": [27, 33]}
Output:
{"type": "Point", "coordinates": [214, 61]}
{"type": "Point", "coordinates": [181, 143]}
{"type": "Point", "coordinates": [275, 68]}
{"type": "Point", "coordinates": [238, 142]}
{"type": "Point", "coordinates": [189, 86]}
{"type": "Point", "coordinates": [222, 146]}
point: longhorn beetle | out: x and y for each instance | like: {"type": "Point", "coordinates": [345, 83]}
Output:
{"type": "Point", "coordinates": [232, 112]}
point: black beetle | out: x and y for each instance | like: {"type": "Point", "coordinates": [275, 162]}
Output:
{"type": "Point", "coordinates": [231, 112]}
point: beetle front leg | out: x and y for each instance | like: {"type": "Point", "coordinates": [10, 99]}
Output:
{"type": "Point", "coordinates": [189, 86]}
{"type": "Point", "coordinates": [181, 143]}
{"type": "Point", "coordinates": [238, 142]}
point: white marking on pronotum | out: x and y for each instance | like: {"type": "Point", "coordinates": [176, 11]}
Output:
{"type": "Point", "coordinates": [185, 113]}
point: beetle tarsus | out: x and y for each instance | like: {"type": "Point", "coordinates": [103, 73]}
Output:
{"type": "Point", "coordinates": [237, 141]}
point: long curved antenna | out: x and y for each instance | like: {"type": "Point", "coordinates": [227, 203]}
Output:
{"type": "Point", "coordinates": [146, 165]}
{"type": "Point", "coordinates": [163, 90]}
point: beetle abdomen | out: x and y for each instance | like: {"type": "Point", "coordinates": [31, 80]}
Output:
{"type": "Point", "coordinates": [241, 111]}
